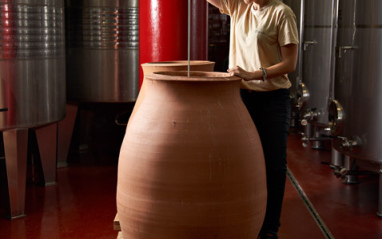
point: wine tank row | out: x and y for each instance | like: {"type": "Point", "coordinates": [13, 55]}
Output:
{"type": "Point", "coordinates": [339, 88]}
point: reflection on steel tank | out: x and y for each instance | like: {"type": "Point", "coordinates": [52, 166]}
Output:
{"type": "Point", "coordinates": [318, 52]}
{"type": "Point", "coordinates": [295, 76]}
{"type": "Point", "coordinates": [32, 63]}
{"type": "Point", "coordinates": [357, 107]}
{"type": "Point", "coordinates": [102, 50]}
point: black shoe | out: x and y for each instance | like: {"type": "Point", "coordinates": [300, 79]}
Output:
{"type": "Point", "coordinates": [269, 235]}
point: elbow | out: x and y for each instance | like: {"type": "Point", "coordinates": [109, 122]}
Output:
{"type": "Point", "coordinates": [293, 68]}
{"type": "Point", "coordinates": [290, 68]}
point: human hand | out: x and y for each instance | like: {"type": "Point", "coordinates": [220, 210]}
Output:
{"type": "Point", "coordinates": [245, 75]}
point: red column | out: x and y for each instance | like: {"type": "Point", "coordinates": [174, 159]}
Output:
{"type": "Point", "coordinates": [163, 31]}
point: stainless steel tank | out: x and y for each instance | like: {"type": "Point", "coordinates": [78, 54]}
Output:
{"type": "Point", "coordinates": [32, 88]}
{"type": "Point", "coordinates": [358, 84]}
{"type": "Point", "coordinates": [32, 62]}
{"type": "Point", "coordinates": [357, 104]}
{"type": "Point", "coordinates": [318, 51]}
{"type": "Point", "coordinates": [102, 50]}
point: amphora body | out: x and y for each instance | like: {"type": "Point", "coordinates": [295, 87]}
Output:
{"type": "Point", "coordinates": [191, 163]}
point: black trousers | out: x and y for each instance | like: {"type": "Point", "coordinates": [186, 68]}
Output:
{"type": "Point", "coordinates": [270, 112]}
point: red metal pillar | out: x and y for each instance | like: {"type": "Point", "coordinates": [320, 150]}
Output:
{"type": "Point", "coordinates": [163, 31]}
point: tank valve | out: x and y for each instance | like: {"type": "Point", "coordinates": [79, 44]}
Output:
{"type": "Point", "coordinates": [305, 141]}
{"type": "Point", "coordinates": [350, 144]}
{"type": "Point", "coordinates": [310, 115]}
{"type": "Point", "coordinates": [339, 171]}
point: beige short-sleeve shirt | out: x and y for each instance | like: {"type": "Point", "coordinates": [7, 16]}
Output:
{"type": "Point", "coordinates": [256, 37]}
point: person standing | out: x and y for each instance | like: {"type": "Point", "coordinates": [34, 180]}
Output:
{"type": "Point", "coordinates": [263, 50]}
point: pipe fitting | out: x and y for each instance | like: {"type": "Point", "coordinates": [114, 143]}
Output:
{"type": "Point", "coordinates": [305, 140]}
{"type": "Point", "coordinates": [310, 115]}
{"type": "Point", "coordinates": [302, 95]}
{"type": "Point", "coordinates": [340, 172]}
{"type": "Point", "coordinates": [351, 144]}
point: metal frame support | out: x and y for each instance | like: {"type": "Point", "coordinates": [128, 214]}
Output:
{"type": "Point", "coordinates": [47, 144]}
{"type": "Point", "coordinates": [64, 134]}
{"type": "Point", "coordinates": [16, 147]}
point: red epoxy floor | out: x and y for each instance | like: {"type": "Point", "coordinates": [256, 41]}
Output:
{"type": "Point", "coordinates": [82, 204]}
{"type": "Point", "coordinates": [349, 211]}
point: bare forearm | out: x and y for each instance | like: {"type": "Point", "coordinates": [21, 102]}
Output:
{"type": "Point", "coordinates": [279, 69]}
{"type": "Point", "coordinates": [287, 65]}
{"type": "Point", "coordinates": [276, 70]}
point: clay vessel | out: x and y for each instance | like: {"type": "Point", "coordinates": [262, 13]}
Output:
{"type": "Point", "coordinates": [151, 67]}
{"type": "Point", "coordinates": [195, 65]}
{"type": "Point", "coordinates": [191, 163]}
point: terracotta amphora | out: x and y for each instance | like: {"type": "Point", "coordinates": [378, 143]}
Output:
{"type": "Point", "coordinates": [191, 163]}
{"type": "Point", "coordinates": [195, 65]}
{"type": "Point", "coordinates": [150, 67]}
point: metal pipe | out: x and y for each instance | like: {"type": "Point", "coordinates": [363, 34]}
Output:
{"type": "Point", "coordinates": [189, 38]}
{"type": "Point", "coordinates": [316, 138]}
{"type": "Point", "coordinates": [351, 176]}
{"type": "Point", "coordinates": [335, 7]}
{"type": "Point", "coordinates": [337, 159]}
{"type": "Point", "coordinates": [300, 52]}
